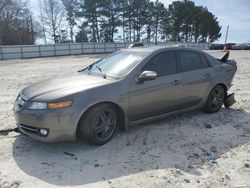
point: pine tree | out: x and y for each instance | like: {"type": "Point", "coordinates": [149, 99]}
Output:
{"type": "Point", "coordinates": [82, 34]}
{"type": "Point", "coordinates": [90, 11]}
{"type": "Point", "coordinates": [69, 7]}
{"type": "Point", "coordinates": [110, 13]}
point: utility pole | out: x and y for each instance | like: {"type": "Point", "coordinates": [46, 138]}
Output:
{"type": "Point", "coordinates": [41, 14]}
{"type": "Point", "coordinates": [225, 45]}
{"type": "Point", "coordinates": [123, 20]}
{"type": "Point", "coordinates": [32, 30]}
{"type": "Point", "coordinates": [226, 34]}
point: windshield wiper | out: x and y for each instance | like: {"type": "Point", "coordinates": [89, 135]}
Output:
{"type": "Point", "coordinates": [103, 74]}
{"type": "Point", "coordinates": [86, 68]}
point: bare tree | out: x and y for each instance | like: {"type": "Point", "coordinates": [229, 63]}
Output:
{"type": "Point", "coordinates": [16, 25]}
{"type": "Point", "coordinates": [53, 14]}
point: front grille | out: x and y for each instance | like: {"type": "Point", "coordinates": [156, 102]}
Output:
{"type": "Point", "coordinates": [25, 129]}
{"type": "Point", "coordinates": [29, 129]}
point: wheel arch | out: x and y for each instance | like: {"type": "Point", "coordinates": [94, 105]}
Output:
{"type": "Point", "coordinates": [223, 86]}
{"type": "Point", "coordinates": [120, 111]}
{"type": "Point", "coordinates": [207, 108]}
{"type": "Point", "coordinates": [217, 84]}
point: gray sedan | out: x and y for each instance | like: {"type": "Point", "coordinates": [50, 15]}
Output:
{"type": "Point", "coordinates": [130, 86]}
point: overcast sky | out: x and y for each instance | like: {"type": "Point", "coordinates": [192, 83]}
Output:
{"type": "Point", "coordinates": [235, 13]}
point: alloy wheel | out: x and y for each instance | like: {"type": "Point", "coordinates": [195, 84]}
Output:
{"type": "Point", "coordinates": [217, 98]}
{"type": "Point", "coordinates": [106, 124]}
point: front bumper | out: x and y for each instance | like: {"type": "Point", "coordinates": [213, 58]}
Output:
{"type": "Point", "coordinates": [60, 124]}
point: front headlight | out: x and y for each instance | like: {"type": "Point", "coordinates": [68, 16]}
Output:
{"type": "Point", "coordinates": [50, 105]}
{"type": "Point", "coordinates": [37, 105]}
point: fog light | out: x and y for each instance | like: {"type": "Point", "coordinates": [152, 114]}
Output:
{"type": "Point", "coordinates": [44, 132]}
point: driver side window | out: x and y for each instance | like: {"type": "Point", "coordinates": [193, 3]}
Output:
{"type": "Point", "coordinates": [163, 64]}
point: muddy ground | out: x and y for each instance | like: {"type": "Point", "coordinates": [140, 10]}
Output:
{"type": "Point", "coordinates": [173, 152]}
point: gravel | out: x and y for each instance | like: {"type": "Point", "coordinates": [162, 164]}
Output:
{"type": "Point", "coordinates": [157, 154]}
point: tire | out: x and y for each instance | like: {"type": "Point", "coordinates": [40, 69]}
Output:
{"type": "Point", "coordinates": [215, 99]}
{"type": "Point", "coordinates": [98, 125]}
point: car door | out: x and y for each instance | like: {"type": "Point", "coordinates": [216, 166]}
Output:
{"type": "Point", "coordinates": [197, 76]}
{"type": "Point", "coordinates": [158, 96]}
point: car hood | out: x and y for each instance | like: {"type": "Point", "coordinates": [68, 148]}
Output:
{"type": "Point", "coordinates": [63, 86]}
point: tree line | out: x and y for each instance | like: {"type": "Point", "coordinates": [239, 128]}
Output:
{"type": "Point", "coordinates": [107, 21]}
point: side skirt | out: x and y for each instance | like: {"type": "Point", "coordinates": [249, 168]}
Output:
{"type": "Point", "coordinates": [162, 116]}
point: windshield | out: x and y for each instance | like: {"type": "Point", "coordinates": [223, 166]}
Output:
{"type": "Point", "coordinates": [117, 65]}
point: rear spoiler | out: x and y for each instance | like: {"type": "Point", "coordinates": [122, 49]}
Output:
{"type": "Point", "coordinates": [224, 59]}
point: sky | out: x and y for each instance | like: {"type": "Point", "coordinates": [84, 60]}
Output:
{"type": "Point", "coordinates": [235, 13]}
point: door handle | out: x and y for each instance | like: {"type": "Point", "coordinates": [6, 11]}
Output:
{"type": "Point", "coordinates": [176, 82]}
{"type": "Point", "coordinates": [208, 76]}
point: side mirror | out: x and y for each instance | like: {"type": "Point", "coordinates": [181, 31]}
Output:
{"type": "Point", "coordinates": [147, 75]}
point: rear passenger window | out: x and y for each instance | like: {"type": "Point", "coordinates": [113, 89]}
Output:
{"type": "Point", "coordinates": [189, 61]}
{"type": "Point", "coordinates": [163, 64]}
{"type": "Point", "coordinates": [204, 61]}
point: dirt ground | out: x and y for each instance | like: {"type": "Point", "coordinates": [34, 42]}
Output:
{"type": "Point", "coordinates": [173, 152]}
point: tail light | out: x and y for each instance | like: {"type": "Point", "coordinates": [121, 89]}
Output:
{"type": "Point", "coordinates": [230, 69]}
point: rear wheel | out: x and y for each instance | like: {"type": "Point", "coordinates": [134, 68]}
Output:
{"type": "Point", "coordinates": [215, 99]}
{"type": "Point", "coordinates": [98, 124]}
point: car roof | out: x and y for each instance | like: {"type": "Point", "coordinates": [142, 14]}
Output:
{"type": "Point", "coordinates": [156, 49]}
{"type": "Point", "coordinates": [159, 48]}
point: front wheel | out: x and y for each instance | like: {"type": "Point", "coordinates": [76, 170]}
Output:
{"type": "Point", "coordinates": [215, 99]}
{"type": "Point", "coordinates": [99, 124]}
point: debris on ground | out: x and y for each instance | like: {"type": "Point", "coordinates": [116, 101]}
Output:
{"type": "Point", "coordinates": [247, 165]}
{"type": "Point", "coordinates": [7, 131]}
{"type": "Point", "coordinates": [208, 126]}
{"type": "Point", "coordinates": [211, 160]}
{"type": "Point", "coordinates": [70, 154]}
{"type": "Point", "coordinates": [187, 180]}
{"type": "Point", "coordinates": [213, 149]}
